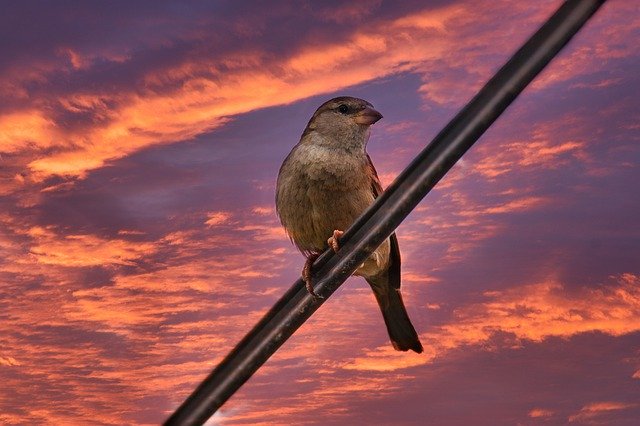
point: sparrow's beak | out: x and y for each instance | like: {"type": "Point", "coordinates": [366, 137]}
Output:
{"type": "Point", "coordinates": [367, 116]}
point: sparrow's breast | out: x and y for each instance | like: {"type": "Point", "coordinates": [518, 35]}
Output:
{"type": "Point", "coordinates": [319, 190]}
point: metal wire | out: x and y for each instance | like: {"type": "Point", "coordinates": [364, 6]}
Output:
{"type": "Point", "coordinates": [389, 210]}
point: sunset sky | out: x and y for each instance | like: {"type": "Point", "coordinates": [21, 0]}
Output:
{"type": "Point", "coordinates": [139, 147]}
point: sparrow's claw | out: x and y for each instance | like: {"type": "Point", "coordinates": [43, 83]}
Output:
{"type": "Point", "coordinates": [306, 274]}
{"type": "Point", "coordinates": [333, 240]}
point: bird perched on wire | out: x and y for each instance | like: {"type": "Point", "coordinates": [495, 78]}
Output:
{"type": "Point", "coordinates": [324, 184]}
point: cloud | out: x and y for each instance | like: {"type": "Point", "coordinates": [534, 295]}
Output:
{"type": "Point", "coordinates": [198, 94]}
{"type": "Point", "coordinates": [8, 361]}
{"type": "Point", "coordinates": [84, 250]}
{"type": "Point", "coordinates": [93, 317]}
{"type": "Point", "coordinates": [198, 97]}
{"type": "Point", "coordinates": [538, 311]}
{"type": "Point", "coordinates": [217, 218]}
{"type": "Point", "coordinates": [387, 359]}
{"type": "Point", "coordinates": [528, 313]}
{"type": "Point", "coordinates": [122, 290]}
{"type": "Point", "coordinates": [542, 149]}
{"type": "Point", "coordinates": [540, 413]}
{"type": "Point", "coordinates": [596, 409]}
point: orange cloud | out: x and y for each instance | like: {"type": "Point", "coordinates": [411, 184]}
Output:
{"type": "Point", "coordinates": [537, 413]}
{"type": "Point", "coordinates": [263, 210]}
{"type": "Point", "coordinates": [8, 361]}
{"type": "Point", "coordinates": [206, 98]}
{"type": "Point", "coordinates": [154, 318]}
{"type": "Point", "coordinates": [387, 359]}
{"type": "Point", "coordinates": [20, 129]}
{"type": "Point", "coordinates": [538, 311]}
{"type": "Point", "coordinates": [596, 409]}
{"type": "Point", "coordinates": [159, 319]}
{"type": "Point", "coordinates": [200, 104]}
{"type": "Point", "coordinates": [196, 274]}
{"type": "Point", "coordinates": [542, 151]}
{"type": "Point", "coordinates": [324, 390]}
{"type": "Point", "coordinates": [533, 312]}
{"type": "Point", "coordinates": [84, 249]}
{"type": "Point", "coordinates": [594, 55]}
{"type": "Point", "coordinates": [520, 204]}
{"type": "Point", "coordinates": [217, 218]}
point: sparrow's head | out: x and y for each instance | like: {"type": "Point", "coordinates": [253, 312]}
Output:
{"type": "Point", "coordinates": [343, 120]}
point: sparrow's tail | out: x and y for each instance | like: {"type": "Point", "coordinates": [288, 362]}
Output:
{"type": "Point", "coordinates": [403, 335]}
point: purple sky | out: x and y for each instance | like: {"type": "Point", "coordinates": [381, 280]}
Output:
{"type": "Point", "coordinates": [139, 146]}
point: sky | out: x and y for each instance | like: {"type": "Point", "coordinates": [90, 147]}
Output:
{"type": "Point", "coordinates": [139, 148]}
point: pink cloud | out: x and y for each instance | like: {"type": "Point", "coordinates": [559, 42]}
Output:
{"type": "Point", "coordinates": [540, 413]}
{"type": "Point", "coordinates": [596, 409]}
{"type": "Point", "coordinates": [532, 312]}
{"type": "Point", "coordinates": [84, 250]}
{"type": "Point", "coordinates": [206, 98]}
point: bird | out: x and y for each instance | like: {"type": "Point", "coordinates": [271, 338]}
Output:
{"type": "Point", "coordinates": [323, 185]}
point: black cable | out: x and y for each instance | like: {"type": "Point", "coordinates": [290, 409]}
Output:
{"type": "Point", "coordinates": [389, 210]}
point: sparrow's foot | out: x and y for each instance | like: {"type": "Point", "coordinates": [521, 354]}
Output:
{"type": "Point", "coordinates": [333, 240]}
{"type": "Point", "coordinates": [307, 272]}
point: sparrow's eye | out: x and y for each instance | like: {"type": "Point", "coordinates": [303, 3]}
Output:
{"type": "Point", "coordinates": [343, 109]}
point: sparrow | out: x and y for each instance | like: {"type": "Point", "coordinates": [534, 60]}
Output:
{"type": "Point", "coordinates": [324, 184]}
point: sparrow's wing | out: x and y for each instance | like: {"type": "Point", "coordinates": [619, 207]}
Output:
{"type": "Point", "coordinates": [376, 187]}
{"type": "Point", "coordinates": [394, 261]}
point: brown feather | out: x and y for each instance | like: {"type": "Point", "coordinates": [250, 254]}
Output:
{"type": "Point", "coordinates": [394, 255]}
